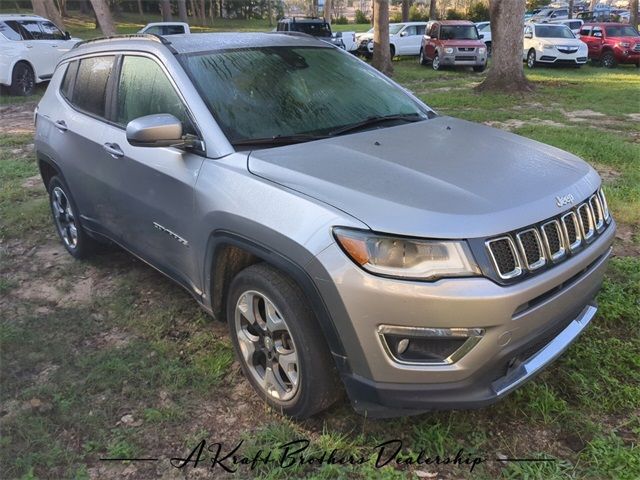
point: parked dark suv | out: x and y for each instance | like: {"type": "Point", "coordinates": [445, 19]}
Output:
{"type": "Point", "coordinates": [314, 26]}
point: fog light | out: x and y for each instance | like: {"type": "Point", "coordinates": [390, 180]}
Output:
{"type": "Point", "coordinates": [428, 346]}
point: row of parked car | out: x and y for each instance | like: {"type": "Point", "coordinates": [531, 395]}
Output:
{"type": "Point", "coordinates": [561, 42]}
{"type": "Point", "coordinates": [30, 46]}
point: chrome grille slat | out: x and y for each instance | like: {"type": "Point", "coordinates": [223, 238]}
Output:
{"type": "Point", "coordinates": [534, 247]}
{"type": "Point", "coordinates": [553, 240]}
{"type": "Point", "coordinates": [531, 249]}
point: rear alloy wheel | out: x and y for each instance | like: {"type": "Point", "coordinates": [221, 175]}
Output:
{"type": "Point", "coordinates": [531, 59]}
{"type": "Point", "coordinates": [488, 44]}
{"type": "Point", "coordinates": [67, 220]}
{"type": "Point", "coordinates": [23, 81]}
{"type": "Point", "coordinates": [608, 60]}
{"type": "Point", "coordinates": [421, 59]}
{"type": "Point", "coordinates": [435, 63]}
{"type": "Point", "coordinates": [279, 343]}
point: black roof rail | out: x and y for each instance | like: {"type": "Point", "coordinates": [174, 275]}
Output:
{"type": "Point", "coordinates": [136, 36]}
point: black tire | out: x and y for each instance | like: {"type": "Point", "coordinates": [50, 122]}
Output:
{"type": "Point", "coordinates": [318, 384]}
{"type": "Point", "coordinates": [392, 51]}
{"type": "Point", "coordinates": [608, 60]}
{"type": "Point", "coordinates": [421, 58]}
{"type": "Point", "coordinates": [480, 68]}
{"type": "Point", "coordinates": [82, 245]}
{"type": "Point", "coordinates": [531, 59]}
{"type": "Point", "coordinates": [435, 63]}
{"type": "Point", "coordinates": [488, 44]}
{"type": "Point", "coordinates": [23, 80]}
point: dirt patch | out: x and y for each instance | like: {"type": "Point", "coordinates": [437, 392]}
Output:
{"type": "Point", "coordinates": [33, 183]}
{"type": "Point", "coordinates": [513, 124]}
{"type": "Point", "coordinates": [608, 174]}
{"type": "Point", "coordinates": [634, 116]}
{"type": "Point", "coordinates": [17, 118]}
{"type": "Point", "coordinates": [625, 244]}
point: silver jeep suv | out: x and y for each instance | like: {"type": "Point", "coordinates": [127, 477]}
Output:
{"type": "Point", "coordinates": [345, 231]}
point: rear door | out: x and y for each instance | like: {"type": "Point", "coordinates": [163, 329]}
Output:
{"type": "Point", "coordinates": [152, 189]}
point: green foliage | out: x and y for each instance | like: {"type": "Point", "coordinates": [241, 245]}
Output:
{"type": "Point", "coordinates": [418, 14]}
{"type": "Point", "coordinates": [478, 12]}
{"type": "Point", "coordinates": [341, 20]}
{"type": "Point", "coordinates": [453, 14]}
{"type": "Point", "coordinates": [361, 17]}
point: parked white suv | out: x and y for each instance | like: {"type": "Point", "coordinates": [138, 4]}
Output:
{"type": "Point", "coordinates": [30, 47]}
{"type": "Point", "coordinates": [552, 44]}
{"type": "Point", "coordinates": [404, 39]}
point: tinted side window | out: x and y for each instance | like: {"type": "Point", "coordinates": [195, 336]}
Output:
{"type": "Point", "coordinates": [11, 30]}
{"type": "Point", "coordinates": [144, 89]}
{"type": "Point", "coordinates": [50, 31]}
{"type": "Point", "coordinates": [90, 89]}
{"type": "Point", "coordinates": [585, 31]}
{"type": "Point", "coordinates": [410, 31]}
{"type": "Point", "coordinates": [421, 29]}
{"type": "Point", "coordinates": [33, 27]}
{"type": "Point", "coordinates": [67, 82]}
{"type": "Point", "coordinates": [173, 30]}
{"type": "Point", "coordinates": [154, 30]}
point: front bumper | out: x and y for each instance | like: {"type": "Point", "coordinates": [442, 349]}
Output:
{"type": "Point", "coordinates": [462, 60]}
{"type": "Point", "coordinates": [518, 321]}
{"type": "Point", "coordinates": [554, 56]}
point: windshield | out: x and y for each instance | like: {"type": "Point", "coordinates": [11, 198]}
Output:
{"type": "Point", "coordinates": [395, 28]}
{"type": "Point", "coordinates": [621, 31]}
{"type": "Point", "coordinates": [459, 32]}
{"type": "Point", "coordinates": [485, 28]}
{"type": "Point", "coordinates": [267, 92]}
{"type": "Point", "coordinates": [317, 29]}
{"type": "Point", "coordinates": [548, 31]}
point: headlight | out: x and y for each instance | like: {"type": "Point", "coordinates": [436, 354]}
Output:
{"type": "Point", "coordinates": [546, 46]}
{"type": "Point", "coordinates": [407, 258]}
{"type": "Point", "coordinates": [448, 50]}
{"type": "Point", "coordinates": [624, 44]}
{"type": "Point", "coordinates": [482, 50]}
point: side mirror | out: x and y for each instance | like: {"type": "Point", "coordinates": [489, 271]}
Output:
{"type": "Point", "coordinates": [427, 37]}
{"type": "Point", "coordinates": [481, 35]}
{"type": "Point", "coordinates": [161, 130]}
{"type": "Point", "coordinates": [67, 36]}
{"type": "Point", "coordinates": [597, 34]}
{"type": "Point", "coordinates": [403, 34]}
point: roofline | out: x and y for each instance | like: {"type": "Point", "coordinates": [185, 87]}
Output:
{"type": "Point", "coordinates": [132, 36]}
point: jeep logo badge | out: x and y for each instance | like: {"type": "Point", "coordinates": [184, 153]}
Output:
{"type": "Point", "coordinates": [564, 200]}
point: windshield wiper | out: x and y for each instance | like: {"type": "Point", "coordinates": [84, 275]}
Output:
{"type": "Point", "coordinates": [376, 120]}
{"type": "Point", "coordinates": [279, 140]}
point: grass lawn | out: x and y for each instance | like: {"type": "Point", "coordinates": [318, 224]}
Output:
{"type": "Point", "coordinates": [107, 358]}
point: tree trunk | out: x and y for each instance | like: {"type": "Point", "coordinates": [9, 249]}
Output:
{"type": "Point", "coordinates": [570, 9]}
{"type": "Point", "coordinates": [269, 12]}
{"type": "Point", "coordinates": [381, 53]}
{"type": "Point", "coordinates": [84, 7]}
{"type": "Point", "coordinates": [203, 13]}
{"type": "Point", "coordinates": [593, 4]}
{"type": "Point", "coordinates": [39, 8]}
{"type": "Point", "coordinates": [54, 14]}
{"type": "Point", "coordinates": [62, 6]}
{"type": "Point", "coordinates": [328, 11]}
{"type": "Point", "coordinates": [103, 17]}
{"type": "Point", "coordinates": [140, 9]}
{"type": "Point", "coordinates": [433, 14]}
{"type": "Point", "coordinates": [165, 8]}
{"type": "Point", "coordinates": [405, 10]}
{"type": "Point", "coordinates": [507, 72]}
{"type": "Point", "coordinates": [633, 18]}
{"type": "Point", "coordinates": [182, 11]}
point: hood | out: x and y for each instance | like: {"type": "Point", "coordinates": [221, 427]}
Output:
{"type": "Point", "coordinates": [630, 40]}
{"type": "Point", "coordinates": [570, 42]}
{"type": "Point", "coordinates": [440, 178]}
{"type": "Point", "coordinates": [462, 43]}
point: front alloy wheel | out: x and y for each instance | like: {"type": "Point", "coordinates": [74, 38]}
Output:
{"type": "Point", "coordinates": [279, 343]}
{"type": "Point", "coordinates": [267, 346]}
{"type": "Point", "coordinates": [436, 62]}
{"type": "Point", "coordinates": [531, 59]}
{"type": "Point", "coordinates": [64, 217]}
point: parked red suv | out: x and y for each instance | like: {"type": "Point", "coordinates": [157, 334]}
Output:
{"type": "Point", "coordinates": [611, 43]}
{"type": "Point", "coordinates": [453, 43]}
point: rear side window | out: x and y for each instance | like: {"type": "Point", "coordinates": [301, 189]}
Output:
{"type": "Point", "coordinates": [67, 82]}
{"type": "Point", "coordinates": [90, 89]}
{"type": "Point", "coordinates": [11, 30]}
{"type": "Point", "coordinates": [33, 27]}
{"type": "Point", "coordinates": [144, 89]}
{"type": "Point", "coordinates": [585, 31]}
{"type": "Point", "coordinates": [50, 31]}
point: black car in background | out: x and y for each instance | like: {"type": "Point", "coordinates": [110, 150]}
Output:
{"type": "Point", "coordinates": [314, 26]}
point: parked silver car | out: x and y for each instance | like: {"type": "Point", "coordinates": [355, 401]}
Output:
{"type": "Point", "coordinates": [425, 261]}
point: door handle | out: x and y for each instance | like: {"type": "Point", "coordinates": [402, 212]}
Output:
{"type": "Point", "coordinates": [54, 46]}
{"type": "Point", "coordinates": [113, 149]}
{"type": "Point", "coordinates": [61, 125]}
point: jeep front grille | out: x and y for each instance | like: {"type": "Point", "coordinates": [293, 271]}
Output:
{"type": "Point", "coordinates": [549, 242]}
